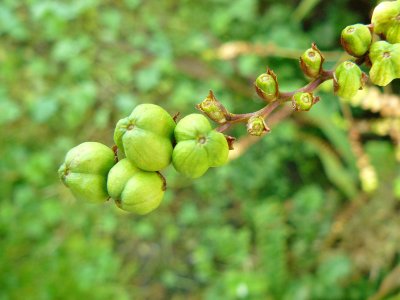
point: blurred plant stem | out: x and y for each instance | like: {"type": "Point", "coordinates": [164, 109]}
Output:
{"type": "Point", "coordinates": [231, 50]}
{"type": "Point", "coordinates": [303, 9]}
{"type": "Point", "coordinates": [270, 107]}
{"type": "Point", "coordinates": [390, 283]}
{"type": "Point", "coordinates": [367, 173]}
{"type": "Point", "coordinates": [243, 144]}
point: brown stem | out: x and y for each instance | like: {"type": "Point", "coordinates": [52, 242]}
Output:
{"type": "Point", "coordinates": [164, 181]}
{"type": "Point", "coordinates": [270, 107]}
{"type": "Point", "coordinates": [115, 150]}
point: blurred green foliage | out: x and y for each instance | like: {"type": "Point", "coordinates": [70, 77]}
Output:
{"type": "Point", "coordinates": [286, 220]}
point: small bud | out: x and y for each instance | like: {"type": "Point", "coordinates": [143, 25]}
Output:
{"type": "Point", "coordinates": [348, 79]}
{"type": "Point", "coordinates": [311, 62]}
{"type": "Point", "coordinates": [256, 126]}
{"type": "Point", "coordinates": [356, 39]}
{"type": "Point", "coordinates": [303, 101]}
{"type": "Point", "coordinates": [213, 109]}
{"type": "Point", "coordinates": [386, 20]}
{"type": "Point", "coordinates": [266, 86]}
{"type": "Point", "coordinates": [385, 59]}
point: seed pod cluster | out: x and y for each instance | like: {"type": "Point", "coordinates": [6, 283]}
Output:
{"type": "Point", "coordinates": [381, 51]}
{"type": "Point", "coordinates": [145, 141]}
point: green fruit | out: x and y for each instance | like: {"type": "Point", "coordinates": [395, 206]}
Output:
{"type": "Point", "coordinates": [311, 62]}
{"type": "Point", "coordinates": [213, 109]}
{"type": "Point", "coordinates": [85, 171]}
{"type": "Point", "coordinates": [256, 126]}
{"type": "Point", "coordinates": [385, 59]}
{"type": "Point", "coordinates": [303, 101]}
{"type": "Point", "coordinates": [198, 147]}
{"type": "Point", "coordinates": [348, 79]}
{"type": "Point", "coordinates": [267, 86]}
{"type": "Point", "coordinates": [145, 137]}
{"type": "Point", "coordinates": [356, 39]}
{"type": "Point", "coordinates": [386, 20]}
{"type": "Point", "coordinates": [133, 189]}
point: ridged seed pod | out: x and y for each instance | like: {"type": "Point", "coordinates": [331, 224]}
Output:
{"type": "Point", "coordinates": [356, 39]}
{"type": "Point", "coordinates": [213, 109]}
{"type": "Point", "coordinates": [385, 59]}
{"type": "Point", "coordinates": [266, 86]}
{"type": "Point", "coordinates": [145, 137]}
{"type": "Point", "coordinates": [198, 147]}
{"type": "Point", "coordinates": [303, 101]}
{"type": "Point", "coordinates": [85, 170]}
{"type": "Point", "coordinates": [348, 79]}
{"type": "Point", "coordinates": [311, 62]}
{"type": "Point", "coordinates": [256, 126]}
{"type": "Point", "coordinates": [386, 20]}
{"type": "Point", "coordinates": [133, 189]}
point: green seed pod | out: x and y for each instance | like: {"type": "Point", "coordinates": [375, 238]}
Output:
{"type": "Point", "coordinates": [348, 79]}
{"type": "Point", "coordinates": [213, 109]}
{"type": "Point", "coordinates": [85, 169]}
{"type": "Point", "coordinates": [256, 126]}
{"type": "Point", "coordinates": [385, 59]}
{"type": "Point", "coordinates": [198, 147]}
{"type": "Point", "coordinates": [356, 39]}
{"type": "Point", "coordinates": [303, 101]}
{"type": "Point", "coordinates": [133, 189]}
{"type": "Point", "coordinates": [311, 62]}
{"type": "Point", "coordinates": [386, 20]}
{"type": "Point", "coordinates": [266, 86]}
{"type": "Point", "coordinates": [145, 137]}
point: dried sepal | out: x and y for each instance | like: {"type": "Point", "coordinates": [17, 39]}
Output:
{"type": "Point", "coordinates": [230, 140]}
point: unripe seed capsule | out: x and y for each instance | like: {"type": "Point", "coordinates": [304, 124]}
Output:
{"type": "Point", "coordinates": [356, 39]}
{"type": "Point", "coordinates": [267, 86]}
{"type": "Point", "coordinates": [85, 169]}
{"type": "Point", "coordinates": [303, 101]}
{"type": "Point", "coordinates": [386, 20]}
{"type": "Point", "coordinates": [256, 126]}
{"type": "Point", "coordinates": [145, 137]}
{"type": "Point", "coordinates": [385, 59]}
{"type": "Point", "coordinates": [348, 79]}
{"type": "Point", "coordinates": [133, 189]}
{"type": "Point", "coordinates": [311, 62]}
{"type": "Point", "coordinates": [213, 109]}
{"type": "Point", "coordinates": [198, 147]}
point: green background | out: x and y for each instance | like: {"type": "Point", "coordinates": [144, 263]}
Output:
{"type": "Point", "coordinates": [285, 220]}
